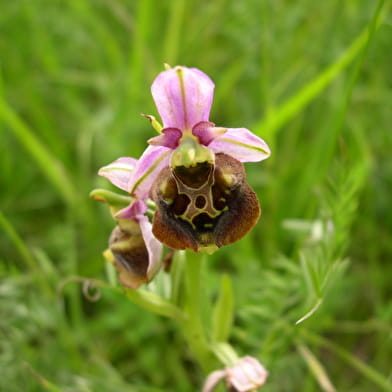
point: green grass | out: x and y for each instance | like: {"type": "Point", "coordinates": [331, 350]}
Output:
{"type": "Point", "coordinates": [312, 282]}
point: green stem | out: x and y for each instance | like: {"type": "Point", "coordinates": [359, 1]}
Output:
{"type": "Point", "coordinates": [192, 327]}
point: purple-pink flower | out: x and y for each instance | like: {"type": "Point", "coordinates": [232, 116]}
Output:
{"type": "Point", "coordinates": [183, 97]}
{"type": "Point", "coordinates": [245, 376]}
{"type": "Point", "coordinates": [192, 170]}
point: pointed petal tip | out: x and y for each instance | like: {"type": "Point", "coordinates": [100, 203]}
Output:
{"type": "Point", "coordinates": [242, 145]}
{"type": "Point", "coordinates": [119, 172]}
{"type": "Point", "coordinates": [154, 122]}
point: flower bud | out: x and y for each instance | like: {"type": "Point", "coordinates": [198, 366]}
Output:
{"type": "Point", "coordinates": [247, 375]}
{"type": "Point", "coordinates": [130, 253]}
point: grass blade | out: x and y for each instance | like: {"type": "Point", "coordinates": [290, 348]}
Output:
{"type": "Point", "coordinates": [281, 115]}
{"type": "Point", "coordinates": [51, 167]}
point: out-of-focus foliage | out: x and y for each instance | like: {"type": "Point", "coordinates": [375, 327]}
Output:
{"type": "Point", "coordinates": [74, 78]}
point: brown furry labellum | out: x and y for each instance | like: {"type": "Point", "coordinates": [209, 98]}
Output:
{"type": "Point", "coordinates": [204, 207]}
{"type": "Point", "coordinates": [130, 254]}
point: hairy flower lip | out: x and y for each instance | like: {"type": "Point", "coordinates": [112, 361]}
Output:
{"type": "Point", "coordinates": [227, 213]}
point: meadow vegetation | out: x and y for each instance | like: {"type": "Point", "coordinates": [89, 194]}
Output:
{"type": "Point", "coordinates": [312, 282]}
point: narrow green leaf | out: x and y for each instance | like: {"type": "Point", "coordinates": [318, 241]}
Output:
{"type": "Point", "coordinates": [365, 370]}
{"type": "Point", "coordinates": [310, 274]}
{"type": "Point", "coordinates": [279, 116]}
{"type": "Point", "coordinates": [47, 385]}
{"type": "Point", "coordinates": [24, 253]}
{"type": "Point", "coordinates": [51, 167]}
{"type": "Point", "coordinates": [311, 311]}
{"type": "Point", "coordinates": [154, 303]}
{"type": "Point", "coordinates": [146, 299]}
{"type": "Point", "coordinates": [18, 243]}
{"type": "Point", "coordinates": [316, 368]}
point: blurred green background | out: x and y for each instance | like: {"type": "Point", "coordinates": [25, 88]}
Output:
{"type": "Point", "coordinates": [311, 78]}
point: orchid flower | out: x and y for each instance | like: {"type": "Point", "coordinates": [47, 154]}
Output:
{"type": "Point", "coordinates": [135, 251]}
{"type": "Point", "coordinates": [192, 170]}
{"type": "Point", "coordinates": [183, 97]}
{"type": "Point", "coordinates": [245, 376]}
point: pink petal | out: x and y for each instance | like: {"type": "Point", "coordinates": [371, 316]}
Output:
{"type": "Point", "coordinates": [134, 210]}
{"type": "Point", "coordinates": [183, 97]}
{"type": "Point", "coordinates": [247, 374]}
{"type": "Point", "coordinates": [242, 145]}
{"type": "Point", "coordinates": [213, 379]}
{"type": "Point", "coordinates": [169, 138]}
{"type": "Point", "coordinates": [119, 172]}
{"type": "Point", "coordinates": [154, 247]}
{"type": "Point", "coordinates": [153, 160]}
{"type": "Point", "coordinates": [206, 132]}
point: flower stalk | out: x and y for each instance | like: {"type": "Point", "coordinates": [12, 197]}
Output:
{"type": "Point", "coordinates": [192, 327]}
